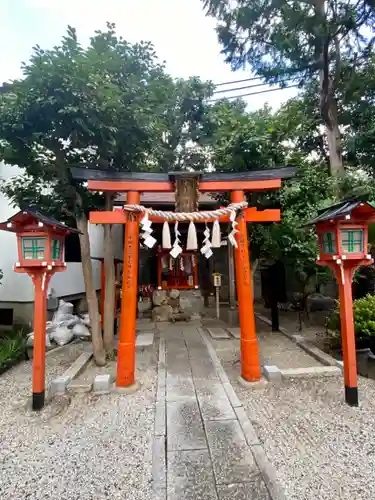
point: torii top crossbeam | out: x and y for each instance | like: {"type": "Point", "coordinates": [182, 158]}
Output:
{"type": "Point", "coordinates": [135, 183]}
{"type": "Point", "coordinates": [112, 181]}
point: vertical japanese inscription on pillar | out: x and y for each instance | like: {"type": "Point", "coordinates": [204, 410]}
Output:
{"type": "Point", "coordinates": [243, 253]}
{"type": "Point", "coordinates": [129, 264]}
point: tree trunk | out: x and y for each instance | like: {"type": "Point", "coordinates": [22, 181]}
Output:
{"type": "Point", "coordinates": [109, 290]}
{"type": "Point", "coordinates": [335, 150]}
{"type": "Point", "coordinates": [328, 81]}
{"type": "Point", "coordinates": [92, 300]}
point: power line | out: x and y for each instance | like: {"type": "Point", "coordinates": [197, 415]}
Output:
{"type": "Point", "coordinates": [245, 87]}
{"type": "Point", "coordinates": [253, 93]}
{"type": "Point", "coordinates": [238, 81]}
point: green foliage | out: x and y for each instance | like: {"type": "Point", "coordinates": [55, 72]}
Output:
{"type": "Point", "coordinates": [108, 106]}
{"type": "Point", "coordinates": [282, 40]}
{"type": "Point", "coordinates": [364, 321]}
{"type": "Point", "coordinates": [242, 140]}
{"type": "Point", "coordinates": [12, 348]}
{"type": "Point", "coordinates": [288, 241]}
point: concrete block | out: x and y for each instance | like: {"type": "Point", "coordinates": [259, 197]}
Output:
{"type": "Point", "coordinates": [232, 396]}
{"type": "Point", "coordinates": [311, 372]}
{"type": "Point", "coordinates": [102, 383]}
{"type": "Point", "coordinates": [317, 353]}
{"type": "Point", "coordinates": [247, 427]}
{"type": "Point", "coordinates": [268, 473]}
{"type": "Point", "coordinates": [59, 384]}
{"type": "Point", "coordinates": [80, 387]}
{"type": "Point", "coordinates": [271, 372]}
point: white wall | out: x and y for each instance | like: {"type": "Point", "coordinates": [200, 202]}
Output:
{"type": "Point", "coordinates": [14, 287]}
{"type": "Point", "coordinates": [97, 241]}
{"type": "Point", "coordinates": [18, 288]}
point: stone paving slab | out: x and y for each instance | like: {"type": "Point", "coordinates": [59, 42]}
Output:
{"type": "Point", "coordinates": [234, 465]}
{"type": "Point", "coordinates": [179, 388]}
{"type": "Point", "coordinates": [184, 426]}
{"type": "Point", "coordinates": [190, 476]}
{"type": "Point", "coordinates": [232, 459]}
{"type": "Point", "coordinates": [255, 489]}
{"type": "Point", "coordinates": [236, 332]}
{"type": "Point", "coordinates": [144, 339]}
{"type": "Point", "coordinates": [218, 333]}
{"type": "Point", "coordinates": [208, 436]}
{"type": "Point", "coordinates": [213, 408]}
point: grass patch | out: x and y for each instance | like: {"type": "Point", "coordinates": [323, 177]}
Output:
{"type": "Point", "coordinates": [12, 349]}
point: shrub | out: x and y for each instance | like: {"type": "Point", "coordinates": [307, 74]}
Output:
{"type": "Point", "coordinates": [364, 321]}
{"type": "Point", "coordinates": [12, 348]}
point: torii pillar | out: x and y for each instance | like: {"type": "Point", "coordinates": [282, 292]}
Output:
{"type": "Point", "coordinates": [126, 345]}
{"type": "Point", "coordinates": [250, 364]}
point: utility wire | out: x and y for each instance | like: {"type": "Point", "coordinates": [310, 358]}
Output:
{"type": "Point", "coordinates": [253, 93]}
{"type": "Point", "coordinates": [245, 87]}
{"type": "Point", "coordinates": [238, 81]}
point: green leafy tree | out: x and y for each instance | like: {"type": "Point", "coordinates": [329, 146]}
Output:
{"type": "Point", "coordinates": [94, 107]}
{"type": "Point", "coordinates": [242, 141]}
{"type": "Point", "coordinates": [110, 105]}
{"type": "Point", "coordinates": [296, 42]}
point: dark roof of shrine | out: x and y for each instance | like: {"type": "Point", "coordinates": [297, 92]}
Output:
{"type": "Point", "coordinates": [31, 214]}
{"type": "Point", "coordinates": [87, 174]}
{"type": "Point", "coordinates": [341, 209]}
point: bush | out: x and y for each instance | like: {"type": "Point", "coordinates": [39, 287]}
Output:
{"type": "Point", "coordinates": [12, 348]}
{"type": "Point", "coordinates": [364, 322]}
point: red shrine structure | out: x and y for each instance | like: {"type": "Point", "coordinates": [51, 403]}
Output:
{"type": "Point", "coordinates": [186, 185]}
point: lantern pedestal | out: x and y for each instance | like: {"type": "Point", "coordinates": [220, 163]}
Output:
{"type": "Point", "coordinates": [41, 278]}
{"type": "Point", "coordinates": [344, 271]}
{"type": "Point", "coordinates": [40, 245]}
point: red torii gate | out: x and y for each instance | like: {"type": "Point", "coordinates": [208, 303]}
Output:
{"type": "Point", "coordinates": [135, 183]}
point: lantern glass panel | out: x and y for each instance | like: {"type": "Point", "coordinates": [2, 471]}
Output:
{"type": "Point", "coordinates": [56, 249]}
{"type": "Point", "coordinates": [352, 240]}
{"type": "Point", "coordinates": [33, 248]}
{"type": "Point", "coordinates": [329, 242]}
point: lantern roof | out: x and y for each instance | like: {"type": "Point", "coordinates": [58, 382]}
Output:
{"type": "Point", "coordinates": [362, 209]}
{"type": "Point", "coordinates": [30, 215]}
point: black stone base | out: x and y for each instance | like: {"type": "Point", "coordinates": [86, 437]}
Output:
{"type": "Point", "coordinates": [351, 396]}
{"type": "Point", "coordinates": [38, 400]}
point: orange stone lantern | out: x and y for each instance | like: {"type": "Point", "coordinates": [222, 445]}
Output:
{"type": "Point", "coordinates": [342, 232]}
{"type": "Point", "coordinates": [40, 242]}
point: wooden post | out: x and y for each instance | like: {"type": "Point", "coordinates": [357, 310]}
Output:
{"type": "Point", "coordinates": [250, 365]}
{"type": "Point", "coordinates": [41, 281]}
{"type": "Point", "coordinates": [126, 346]}
{"type": "Point", "coordinates": [344, 280]}
{"type": "Point", "coordinates": [232, 283]}
{"type": "Point", "coordinates": [102, 291]}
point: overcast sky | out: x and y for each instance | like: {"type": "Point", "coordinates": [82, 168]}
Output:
{"type": "Point", "coordinates": [181, 33]}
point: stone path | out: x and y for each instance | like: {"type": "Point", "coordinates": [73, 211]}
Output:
{"type": "Point", "coordinates": [204, 445]}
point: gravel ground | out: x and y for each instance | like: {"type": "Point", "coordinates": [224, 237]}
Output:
{"type": "Point", "coordinates": [80, 447]}
{"type": "Point", "coordinates": [321, 448]}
